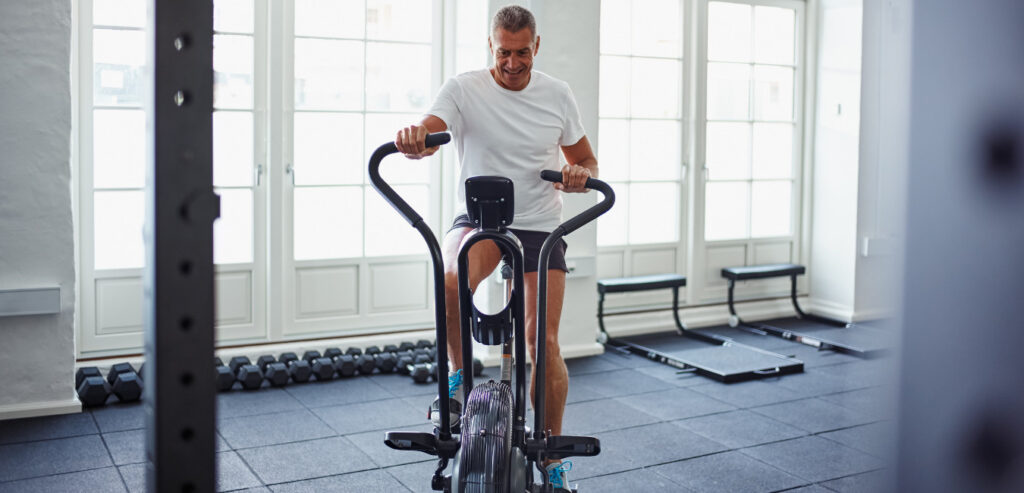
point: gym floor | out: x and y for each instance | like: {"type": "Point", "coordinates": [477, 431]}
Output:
{"type": "Point", "coordinates": [826, 429]}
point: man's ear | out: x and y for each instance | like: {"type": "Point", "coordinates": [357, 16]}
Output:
{"type": "Point", "coordinates": [536, 45]}
{"type": "Point", "coordinates": [490, 46]}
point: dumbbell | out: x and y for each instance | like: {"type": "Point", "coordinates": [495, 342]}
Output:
{"type": "Point", "coordinates": [385, 362]}
{"type": "Point", "coordinates": [323, 368]}
{"type": "Point", "coordinates": [250, 376]}
{"type": "Point", "coordinates": [354, 352]}
{"type": "Point", "coordinates": [424, 344]}
{"type": "Point", "coordinates": [405, 362]}
{"type": "Point", "coordinates": [225, 378]}
{"type": "Point", "coordinates": [124, 382]}
{"type": "Point", "coordinates": [422, 372]}
{"type": "Point", "coordinates": [298, 369]}
{"type": "Point", "coordinates": [365, 364]}
{"type": "Point", "coordinates": [273, 371]}
{"type": "Point", "coordinates": [406, 346]}
{"type": "Point", "coordinates": [92, 388]}
{"type": "Point", "coordinates": [344, 364]}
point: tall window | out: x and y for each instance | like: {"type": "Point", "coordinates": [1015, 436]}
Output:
{"type": "Point", "coordinates": [361, 72]}
{"type": "Point", "coordinates": [640, 127]}
{"type": "Point", "coordinates": [751, 135]}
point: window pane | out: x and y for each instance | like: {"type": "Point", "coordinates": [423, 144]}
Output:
{"type": "Point", "coordinates": [380, 129]}
{"type": "Point", "coordinates": [612, 226]}
{"type": "Point", "coordinates": [728, 32]}
{"type": "Point", "coordinates": [399, 20]}
{"type": "Point", "coordinates": [726, 210]}
{"type": "Point", "coordinates": [653, 213]}
{"type": "Point", "coordinates": [773, 93]}
{"type": "Point", "coordinates": [233, 161]}
{"type": "Point", "coordinates": [655, 88]}
{"type": "Point", "coordinates": [130, 13]}
{"type": "Point", "coordinates": [387, 233]}
{"type": "Point", "coordinates": [117, 224]}
{"type": "Point", "coordinates": [328, 222]}
{"type": "Point", "coordinates": [329, 18]}
{"type": "Point", "coordinates": [328, 149]}
{"type": "Point", "coordinates": [470, 35]}
{"type": "Point", "coordinates": [613, 149]}
{"type": "Point", "coordinates": [232, 232]}
{"type": "Point", "coordinates": [770, 209]}
{"type": "Point", "coordinates": [232, 71]}
{"type": "Point", "coordinates": [773, 150]}
{"type": "Point", "coordinates": [657, 28]}
{"type": "Point", "coordinates": [728, 91]}
{"type": "Point", "coordinates": [233, 16]}
{"type": "Point", "coordinates": [654, 150]}
{"type": "Point", "coordinates": [614, 86]}
{"type": "Point", "coordinates": [615, 23]}
{"type": "Point", "coordinates": [328, 74]}
{"type": "Point", "coordinates": [773, 35]}
{"type": "Point", "coordinates": [728, 151]}
{"type": "Point", "coordinates": [118, 60]}
{"type": "Point", "coordinates": [394, 86]}
{"type": "Point", "coordinates": [119, 148]}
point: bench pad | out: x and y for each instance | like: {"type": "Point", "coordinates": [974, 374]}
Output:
{"type": "Point", "coordinates": [640, 283]}
{"type": "Point", "coordinates": [762, 271]}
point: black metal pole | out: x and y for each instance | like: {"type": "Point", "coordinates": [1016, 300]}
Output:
{"type": "Point", "coordinates": [178, 276]}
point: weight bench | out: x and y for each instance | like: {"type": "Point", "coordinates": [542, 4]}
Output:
{"type": "Point", "coordinates": [724, 360]}
{"type": "Point", "coordinates": [838, 336]}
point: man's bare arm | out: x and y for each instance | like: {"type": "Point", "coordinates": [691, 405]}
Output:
{"type": "Point", "coordinates": [410, 140]}
{"type": "Point", "coordinates": [582, 165]}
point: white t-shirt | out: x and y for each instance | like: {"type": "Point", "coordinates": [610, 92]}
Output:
{"type": "Point", "coordinates": [515, 134]}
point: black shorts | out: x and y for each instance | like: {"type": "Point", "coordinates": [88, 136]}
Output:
{"type": "Point", "coordinates": [532, 241]}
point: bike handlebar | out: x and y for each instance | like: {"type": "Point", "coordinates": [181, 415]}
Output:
{"type": "Point", "coordinates": [590, 214]}
{"type": "Point", "coordinates": [400, 205]}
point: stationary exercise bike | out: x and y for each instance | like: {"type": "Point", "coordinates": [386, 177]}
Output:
{"type": "Point", "coordinates": [495, 451]}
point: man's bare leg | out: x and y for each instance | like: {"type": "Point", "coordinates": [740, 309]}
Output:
{"type": "Point", "coordinates": [556, 382]}
{"type": "Point", "coordinates": [483, 258]}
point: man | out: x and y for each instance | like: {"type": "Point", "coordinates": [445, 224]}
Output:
{"type": "Point", "coordinates": [510, 120]}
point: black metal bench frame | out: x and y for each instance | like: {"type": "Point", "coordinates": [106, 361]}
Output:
{"type": "Point", "coordinates": [674, 282]}
{"type": "Point", "coordinates": [770, 272]}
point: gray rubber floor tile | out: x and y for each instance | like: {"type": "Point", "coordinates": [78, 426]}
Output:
{"type": "Point", "coordinates": [35, 459]}
{"type": "Point", "coordinates": [814, 459]}
{"type": "Point", "coordinates": [878, 439]}
{"type": "Point", "coordinates": [357, 482]}
{"type": "Point", "coordinates": [272, 429]}
{"type": "Point", "coordinates": [120, 417]}
{"type": "Point", "coordinates": [372, 444]}
{"type": "Point", "coordinates": [232, 475]}
{"type": "Point", "coordinates": [813, 415]}
{"type": "Point", "coordinates": [748, 394]}
{"type": "Point", "coordinates": [871, 482]}
{"type": "Point", "coordinates": [582, 393]}
{"type": "Point", "coordinates": [403, 386]}
{"type": "Point", "coordinates": [642, 446]}
{"type": "Point", "coordinates": [105, 480]}
{"type": "Point", "coordinates": [341, 391]}
{"type": "Point", "coordinates": [416, 477]}
{"type": "Point", "coordinates": [126, 447]}
{"type": "Point", "coordinates": [729, 472]}
{"type": "Point", "coordinates": [367, 416]}
{"type": "Point", "coordinates": [619, 383]}
{"type": "Point", "coordinates": [306, 460]}
{"type": "Point", "coordinates": [587, 418]}
{"type": "Point", "coordinates": [675, 404]}
{"type": "Point", "coordinates": [248, 403]}
{"type": "Point", "coordinates": [876, 402]}
{"type": "Point", "coordinates": [813, 383]}
{"type": "Point", "coordinates": [636, 480]}
{"type": "Point", "coordinates": [590, 364]}
{"type": "Point", "coordinates": [739, 429]}
{"type": "Point", "coordinates": [47, 428]}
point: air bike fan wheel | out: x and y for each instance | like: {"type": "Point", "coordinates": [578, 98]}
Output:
{"type": "Point", "coordinates": [484, 463]}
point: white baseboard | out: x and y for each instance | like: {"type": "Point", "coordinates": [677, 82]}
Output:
{"type": "Point", "coordinates": [829, 309]}
{"type": "Point", "coordinates": [36, 409]}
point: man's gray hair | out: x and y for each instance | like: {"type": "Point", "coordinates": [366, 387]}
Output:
{"type": "Point", "coordinates": [513, 18]}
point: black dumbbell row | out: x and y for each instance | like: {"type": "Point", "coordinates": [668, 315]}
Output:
{"type": "Point", "coordinates": [416, 360]}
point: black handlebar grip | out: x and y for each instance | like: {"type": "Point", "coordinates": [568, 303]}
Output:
{"type": "Point", "coordinates": [590, 214]}
{"type": "Point", "coordinates": [438, 139]}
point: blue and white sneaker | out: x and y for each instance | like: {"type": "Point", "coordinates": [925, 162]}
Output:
{"type": "Point", "coordinates": [556, 474]}
{"type": "Point", "coordinates": [454, 402]}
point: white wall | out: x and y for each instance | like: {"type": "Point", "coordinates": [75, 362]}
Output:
{"type": "Point", "coordinates": [836, 158]}
{"type": "Point", "coordinates": [37, 353]}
